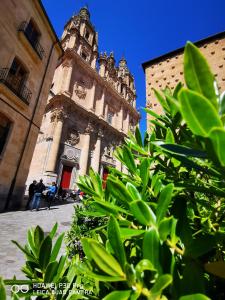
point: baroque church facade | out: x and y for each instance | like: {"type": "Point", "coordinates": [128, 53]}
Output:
{"type": "Point", "coordinates": [90, 110]}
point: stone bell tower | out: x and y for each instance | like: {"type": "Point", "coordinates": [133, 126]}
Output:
{"type": "Point", "coordinates": [79, 34]}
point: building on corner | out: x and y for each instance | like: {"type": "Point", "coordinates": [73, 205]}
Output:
{"type": "Point", "coordinates": [167, 70]}
{"type": "Point", "coordinates": [29, 53]}
{"type": "Point", "coordinates": [91, 108]}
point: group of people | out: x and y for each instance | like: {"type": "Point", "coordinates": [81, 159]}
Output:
{"type": "Point", "coordinates": [36, 190]}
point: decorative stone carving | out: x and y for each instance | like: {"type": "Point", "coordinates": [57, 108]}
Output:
{"type": "Point", "coordinates": [58, 115]}
{"type": "Point", "coordinates": [100, 133]}
{"type": "Point", "coordinates": [89, 129]}
{"type": "Point", "coordinates": [71, 153]}
{"type": "Point", "coordinates": [80, 90]}
{"type": "Point", "coordinates": [73, 137]}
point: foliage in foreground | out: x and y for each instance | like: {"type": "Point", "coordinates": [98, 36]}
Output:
{"type": "Point", "coordinates": [163, 232]}
{"type": "Point", "coordinates": [164, 238]}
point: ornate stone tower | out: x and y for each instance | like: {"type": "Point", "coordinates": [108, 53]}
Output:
{"type": "Point", "coordinates": [89, 110]}
{"type": "Point", "coordinates": [80, 35]}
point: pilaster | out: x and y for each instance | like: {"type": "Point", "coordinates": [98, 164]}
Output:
{"type": "Point", "coordinates": [85, 150]}
{"type": "Point", "coordinates": [57, 117]}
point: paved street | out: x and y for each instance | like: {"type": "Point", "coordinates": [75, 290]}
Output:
{"type": "Point", "coordinates": [14, 225]}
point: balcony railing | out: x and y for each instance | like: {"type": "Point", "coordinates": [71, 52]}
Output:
{"type": "Point", "coordinates": [34, 43]}
{"type": "Point", "coordinates": [15, 84]}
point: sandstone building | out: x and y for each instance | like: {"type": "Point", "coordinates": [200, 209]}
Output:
{"type": "Point", "coordinates": [91, 108]}
{"type": "Point", "coordinates": [29, 53]}
{"type": "Point", "coordinates": [167, 70]}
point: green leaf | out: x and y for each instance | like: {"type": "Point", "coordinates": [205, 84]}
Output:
{"type": "Point", "coordinates": [53, 231]}
{"type": "Point", "coordinates": [2, 290]}
{"type": "Point", "coordinates": [129, 159]}
{"type": "Point", "coordinates": [161, 283]}
{"type": "Point", "coordinates": [102, 258]}
{"type": "Point", "coordinates": [28, 254]}
{"type": "Point", "coordinates": [216, 268]}
{"type": "Point", "coordinates": [45, 252]}
{"type": "Point", "coordinates": [194, 297]}
{"type": "Point", "coordinates": [151, 248]}
{"type": "Point", "coordinates": [61, 268]}
{"type": "Point", "coordinates": [180, 149]}
{"type": "Point", "coordinates": [31, 245]}
{"type": "Point", "coordinates": [118, 190]}
{"type": "Point", "coordinates": [38, 236]}
{"type": "Point", "coordinates": [56, 248]}
{"type": "Point", "coordinates": [165, 227]}
{"type": "Point", "coordinates": [116, 241]}
{"type": "Point", "coordinates": [162, 101]}
{"type": "Point", "coordinates": [138, 136]}
{"type": "Point", "coordinates": [135, 195]}
{"type": "Point", "coordinates": [177, 89]}
{"type": "Point", "coordinates": [222, 104]}
{"type": "Point", "coordinates": [169, 136]}
{"type": "Point", "coordinates": [143, 213]}
{"type": "Point", "coordinates": [51, 271]}
{"type": "Point", "coordinates": [217, 136]}
{"type": "Point", "coordinates": [192, 107]}
{"type": "Point", "coordinates": [200, 246]}
{"type": "Point", "coordinates": [144, 265]}
{"type": "Point", "coordinates": [127, 233]}
{"type": "Point", "coordinates": [144, 172]}
{"type": "Point", "coordinates": [164, 202]}
{"type": "Point", "coordinates": [108, 208]}
{"type": "Point", "coordinates": [197, 73]}
{"type": "Point", "coordinates": [118, 295]}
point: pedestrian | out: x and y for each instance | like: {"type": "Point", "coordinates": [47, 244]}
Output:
{"type": "Point", "coordinates": [31, 193]}
{"type": "Point", "coordinates": [51, 193]}
{"type": "Point", "coordinates": [39, 188]}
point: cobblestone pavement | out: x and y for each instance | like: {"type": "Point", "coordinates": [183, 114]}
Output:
{"type": "Point", "coordinates": [14, 225]}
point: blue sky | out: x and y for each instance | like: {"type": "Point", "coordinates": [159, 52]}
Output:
{"type": "Point", "coordinates": [143, 29]}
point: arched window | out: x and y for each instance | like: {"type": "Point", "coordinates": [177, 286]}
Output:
{"type": "Point", "coordinates": [4, 131]}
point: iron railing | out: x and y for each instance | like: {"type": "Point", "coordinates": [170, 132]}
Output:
{"type": "Point", "coordinates": [15, 84]}
{"type": "Point", "coordinates": [34, 43]}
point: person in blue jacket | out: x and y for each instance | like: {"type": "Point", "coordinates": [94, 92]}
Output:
{"type": "Point", "coordinates": [51, 193]}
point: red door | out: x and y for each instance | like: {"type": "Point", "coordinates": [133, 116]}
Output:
{"type": "Point", "coordinates": [66, 176]}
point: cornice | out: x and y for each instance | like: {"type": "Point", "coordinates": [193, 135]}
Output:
{"type": "Point", "coordinates": [62, 101]}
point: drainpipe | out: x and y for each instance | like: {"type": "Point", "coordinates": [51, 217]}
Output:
{"type": "Point", "coordinates": [12, 186]}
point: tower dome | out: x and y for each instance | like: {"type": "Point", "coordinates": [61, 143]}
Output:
{"type": "Point", "coordinates": [84, 13]}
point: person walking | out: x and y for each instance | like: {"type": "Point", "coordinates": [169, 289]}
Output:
{"type": "Point", "coordinates": [51, 193]}
{"type": "Point", "coordinates": [31, 193]}
{"type": "Point", "coordinates": [39, 188]}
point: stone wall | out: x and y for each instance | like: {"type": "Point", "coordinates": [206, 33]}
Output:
{"type": "Point", "coordinates": [168, 70]}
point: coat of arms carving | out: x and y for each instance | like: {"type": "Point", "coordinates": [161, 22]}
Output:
{"type": "Point", "coordinates": [73, 137]}
{"type": "Point", "coordinates": [80, 90]}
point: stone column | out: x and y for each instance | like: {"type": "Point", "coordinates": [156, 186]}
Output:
{"type": "Point", "coordinates": [121, 118]}
{"type": "Point", "coordinates": [97, 152]}
{"type": "Point", "coordinates": [57, 117]}
{"type": "Point", "coordinates": [102, 104]}
{"type": "Point", "coordinates": [92, 95]}
{"type": "Point", "coordinates": [106, 110]}
{"type": "Point", "coordinates": [72, 41]}
{"type": "Point", "coordinates": [127, 121]}
{"type": "Point", "coordinates": [85, 150]}
{"type": "Point", "coordinates": [67, 77]}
